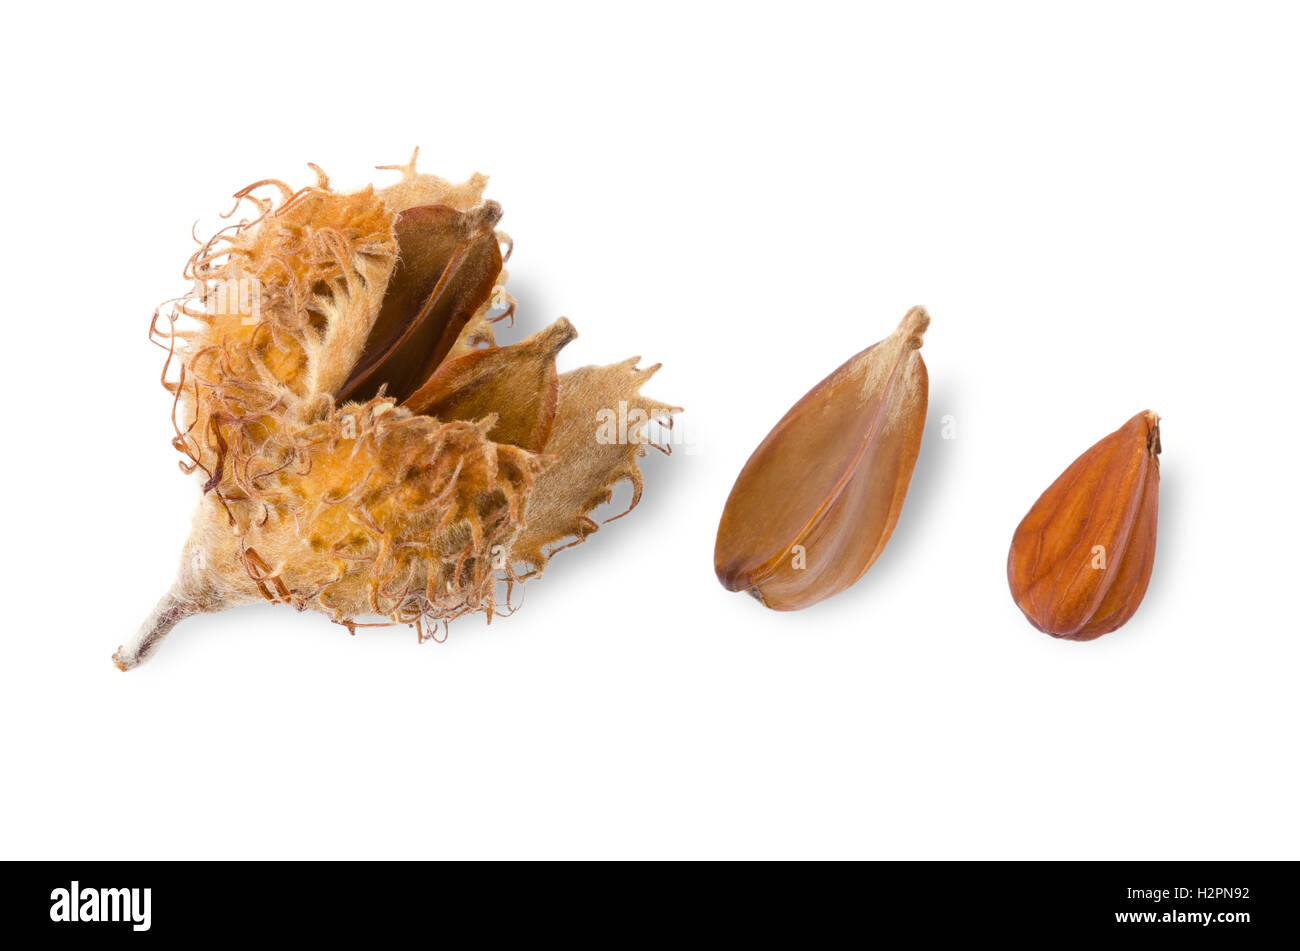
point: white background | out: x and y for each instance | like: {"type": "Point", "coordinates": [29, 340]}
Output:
{"type": "Point", "coordinates": [1098, 204]}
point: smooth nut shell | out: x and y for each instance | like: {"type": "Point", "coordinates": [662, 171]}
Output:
{"type": "Point", "coordinates": [1103, 506]}
{"type": "Point", "coordinates": [815, 504]}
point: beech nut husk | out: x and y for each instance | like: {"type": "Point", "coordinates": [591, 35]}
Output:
{"type": "Point", "coordinates": [1081, 559]}
{"type": "Point", "coordinates": [364, 446]}
{"type": "Point", "coordinates": [815, 504]}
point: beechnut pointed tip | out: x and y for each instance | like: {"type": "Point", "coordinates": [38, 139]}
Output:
{"type": "Point", "coordinates": [913, 326]}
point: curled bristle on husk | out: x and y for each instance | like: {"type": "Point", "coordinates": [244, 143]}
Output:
{"type": "Point", "coordinates": [364, 446]}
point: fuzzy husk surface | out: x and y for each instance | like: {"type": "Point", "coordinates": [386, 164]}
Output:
{"type": "Point", "coordinates": [364, 507]}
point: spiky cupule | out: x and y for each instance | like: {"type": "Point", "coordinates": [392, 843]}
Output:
{"type": "Point", "coordinates": [362, 508]}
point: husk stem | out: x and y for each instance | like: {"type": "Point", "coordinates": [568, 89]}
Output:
{"type": "Point", "coordinates": [171, 609]}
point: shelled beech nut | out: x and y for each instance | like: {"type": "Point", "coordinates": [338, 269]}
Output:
{"type": "Point", "coordinates": [1081, 559]}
